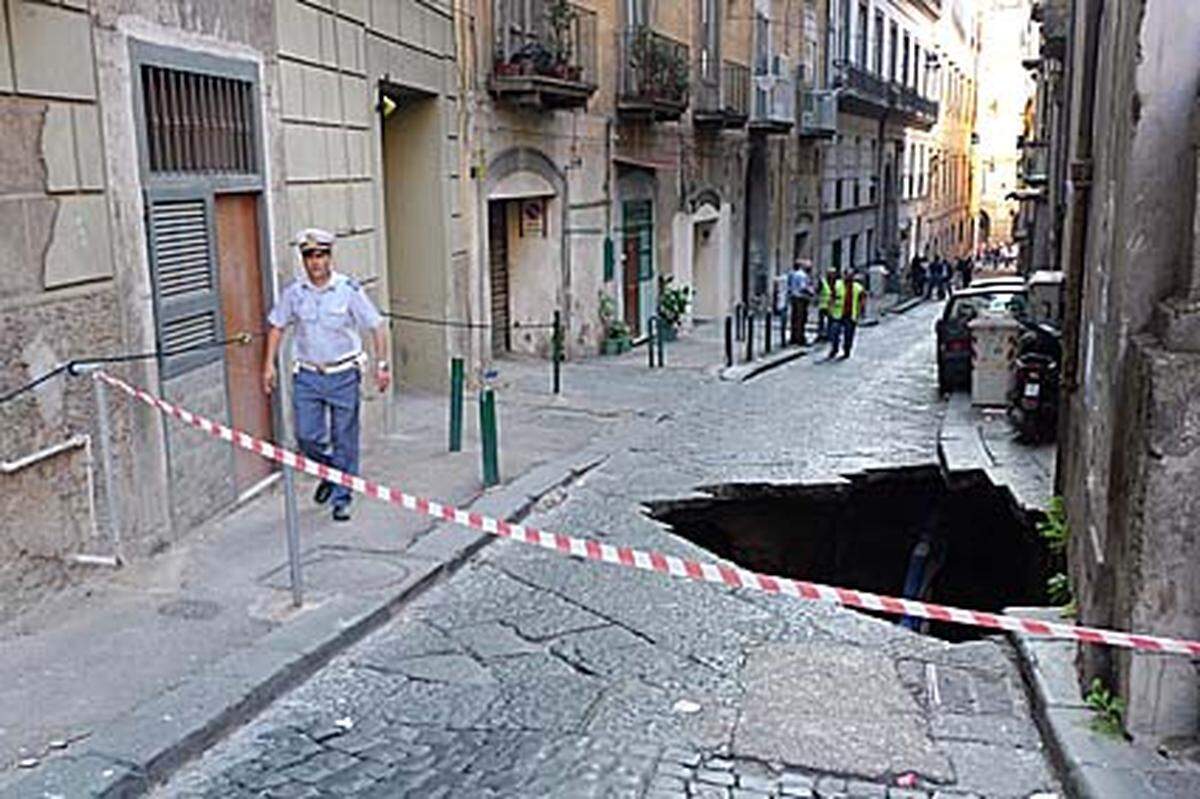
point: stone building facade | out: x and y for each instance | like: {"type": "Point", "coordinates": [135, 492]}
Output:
{"type": "Point", "coordinates": [158, 156]}
{"type": "Point", "coordinates": [1129, 460]}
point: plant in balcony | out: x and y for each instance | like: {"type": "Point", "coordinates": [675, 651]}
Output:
{"type": "Point", "coordinates": [561, 16]}
{"type": "Point", "coordinates": [673, 303]}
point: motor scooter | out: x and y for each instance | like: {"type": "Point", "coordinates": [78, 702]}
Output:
{"type": "Point", "coordinates": [1033, 398]}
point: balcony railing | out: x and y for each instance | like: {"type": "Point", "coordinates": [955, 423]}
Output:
{"type": "Point", "coordinates": [916, 110]}
{"type": "Point", "coordinates": [818, 113]}
{"type": "Point", "coordinates": [861, 91]}
{"type": "Point", "coordinates": [653, 75]}
{"type": "Point", "coordinates": [1035, 163]}
{"type": "Point", "coordinates": [735, 79]}
{"type": "Point", "coordinates": [544, 53]}
{"type": "Point", "coordinates": [774, 108]}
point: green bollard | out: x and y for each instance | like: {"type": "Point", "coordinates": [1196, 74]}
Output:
{"type": "Point", "coordinates": [487, 425]}
{"type": "Point", "coordinates": [651, 327]}
{"type": "Point", "coordinates": [660, 338]}
{"type": "Point", "coordinates": [456, 404]}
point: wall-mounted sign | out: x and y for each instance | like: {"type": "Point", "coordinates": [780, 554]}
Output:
{"type": "Point", "coordinates": [533, 217]}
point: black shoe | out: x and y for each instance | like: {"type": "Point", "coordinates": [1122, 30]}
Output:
{"type": "Point", "coordinates": [341, 513]}
{"type": "Point", "coordinates": [323, 493]}
{"type": "Point", "coordinates": [845, 355]}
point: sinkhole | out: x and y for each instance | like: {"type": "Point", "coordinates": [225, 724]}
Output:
{"type": "Point", "coordinates": [960, 541]}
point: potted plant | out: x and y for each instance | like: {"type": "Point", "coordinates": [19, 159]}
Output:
{"type": "Point", "coordinates": [616, 333]}
{"type": "Point", "coordinates": [673, 302]}
{"type": "Point", "coordinates": [560, 16]}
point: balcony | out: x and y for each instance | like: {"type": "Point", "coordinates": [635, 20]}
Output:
{"type": "Point", "coordinates": [653, 76]}
{"type": "Point", "coordinates": [861, 92]}
{"type": "Point", "coordinates": [774, 108]}
{"type": "Point", "coordinates": [916, 111]}
{"type": "Point", "coordinates": [1035, 163]}
{"type": "Point", "coordinates": [818, 113]}
{"type": "Point", "coordinates": [544, 54]}
{"type": "Point", "coordinates": [724, 103]}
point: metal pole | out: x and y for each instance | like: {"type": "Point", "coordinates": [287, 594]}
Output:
{"type": "Point", "coordinates": [767, 334]}
{"type": "Point", "coordinates": [292, 522]}
{"type": "Point", "coordinates": [456, 404]}
{"type": "Point", "coordinates": [557, 354]}
{"type": "Point", "coordinates": [739, 321]}
{"type": "Point", "coordinates": [749, 337]}
{"type": "Point", "coordinates": [115, 523]}
{"type": "Point", "coordinates": [487, 426]}
{"type": "Point", "coordinates": [728, 341]}
{"type": "Point", "coordinates": [651, 324]}
{"type": "Point", "coordinates": [783, 325]}
{"type": "Point", "coordinates": [660, 338]}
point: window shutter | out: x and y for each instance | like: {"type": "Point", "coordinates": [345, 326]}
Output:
{"type": "Point", "coordinates": [183, 271]}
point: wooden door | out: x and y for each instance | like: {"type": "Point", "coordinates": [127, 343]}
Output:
{"type": "Point", "coordinates": [629, 279]}
{"type": "Point", "coordinates": [243, 309]}
{"type": "Point", "coordinates": [638, 249]}
{"type": "Point", "coordinates": [498, 275]}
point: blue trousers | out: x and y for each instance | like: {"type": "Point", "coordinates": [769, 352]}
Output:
{"type": "Point", "coordinates": [840, 329]}
{"type": "Point", "coordinates": [326, 415]}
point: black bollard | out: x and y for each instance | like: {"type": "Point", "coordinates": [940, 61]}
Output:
{"type": "Point", "coordinates": [739, 321]}
{"type": "Point", "coordinates": [783, 327]}
{"type": "Point", "coordinates": [557, 353]}
{"type": "Point", "coordinates": [749, 337]}
{"type": "Point", "coordinates": [651, 326]}
{"type": "Point", "coordinates": [767, 334]}
{"type": "Point", "coordinates": [728, 341]}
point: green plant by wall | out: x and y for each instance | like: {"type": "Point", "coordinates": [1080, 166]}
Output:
{"type": "Point", "coordinates": [673, 302]}
{"type": "Point", "coordinates": [1109, 709]}
{"type": "Point", "coordinates": [1053, 528]}
{"type": "Point", "coordinates": [1058, 589]}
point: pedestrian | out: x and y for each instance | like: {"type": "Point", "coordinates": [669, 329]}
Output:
{"type": "Point", "coordinates": [327, 310]}
{"type": "Point", "coordinates": [799, 292]}
{"type": "Point", "coordinates": [965, 267]}
{"type": "Point", "coordinates": [916, 275]}
{"type": "Point", "coordinates": [849, 301]}
{"type": "Point", "coordinates": [824, 300]}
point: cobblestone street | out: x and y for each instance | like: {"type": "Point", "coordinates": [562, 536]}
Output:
{"type": "Point", "coordinates": [531, 674]}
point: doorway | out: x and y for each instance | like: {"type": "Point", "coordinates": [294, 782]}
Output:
{"type": "Point", "coordinates": [243, 309]}
{"type": "Point", "coordinates": [498, 276]}
{"type": "Point", "coordinates": [638, 262]}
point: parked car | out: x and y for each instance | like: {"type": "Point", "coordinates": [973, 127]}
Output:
{"type": "Point", "coordinates": [992, 282]}
{"type": "Point", "coordinates": [953, 335]}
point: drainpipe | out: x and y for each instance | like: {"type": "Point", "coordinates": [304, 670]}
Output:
{"type": "Point", "coordinates": [1078, 208]}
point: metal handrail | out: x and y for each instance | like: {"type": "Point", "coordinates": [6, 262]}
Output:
{"type": "Point", "coordinates": [536, 37]}
{"type": "Point", "coordinates": [653, 66]}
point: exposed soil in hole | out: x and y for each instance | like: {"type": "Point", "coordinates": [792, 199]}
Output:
{"type": "Point", "coordinates": [984, 552]}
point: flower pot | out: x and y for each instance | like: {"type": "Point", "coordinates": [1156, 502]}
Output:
{"type": "Point", "coordinates": [611, 346]}
{"type": "Point", "coordinates": [670, 332]}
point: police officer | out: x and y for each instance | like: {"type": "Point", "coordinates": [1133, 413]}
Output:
{"type": "Point", "coordinates": [327, 310]}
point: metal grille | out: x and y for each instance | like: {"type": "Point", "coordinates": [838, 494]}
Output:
{"type": "Point", "coordinates": [198, 123]}
{"type": "Point", "coordinates": [181, 248]}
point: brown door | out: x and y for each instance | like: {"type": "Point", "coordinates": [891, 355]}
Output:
{"type": "Point", "coordinates": [630, 281]}
{"type": "Point", "coordinates": [242, 306]}
{"type": "Point", "coordinates": [498, 270]}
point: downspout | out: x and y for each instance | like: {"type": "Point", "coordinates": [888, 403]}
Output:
{"type": "Point", "coordinates": [1079, 183]}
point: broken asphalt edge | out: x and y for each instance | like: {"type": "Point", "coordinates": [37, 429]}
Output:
{"type": "Point", "coordinates": [143, 748]}
{"type": "Point", "coordinates": [1090, 765]}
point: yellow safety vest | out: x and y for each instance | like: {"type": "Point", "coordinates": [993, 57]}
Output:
{"type": "Point", "coordinates": [826, 295]}
{"type": "Point", "coordinates": [839, 299]}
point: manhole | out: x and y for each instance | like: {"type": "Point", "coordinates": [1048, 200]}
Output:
{"type": "Point", "coordinates": [193, 609]}
{"type": "Point", "coordinates": [967, 544]}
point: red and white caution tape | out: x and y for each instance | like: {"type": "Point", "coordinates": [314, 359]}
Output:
{"type": "Point", "coordinates": [723, 574]}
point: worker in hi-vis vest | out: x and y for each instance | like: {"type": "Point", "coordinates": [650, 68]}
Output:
{"type": "Point", "coordinates": [824, 300]}
{"type": "Point", "coordinates": [846, 306]}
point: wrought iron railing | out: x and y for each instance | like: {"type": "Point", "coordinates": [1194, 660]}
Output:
{"type": "Point", "coordinates": [909, 101]}
{"type": "Point", "coordinates": [544, 38]}
{"type": "Point", "coordinates": [735, 78]}
{"type": "Point", "coordinates": [866, 85]}
{"type": "Point", "coordinates": [653, 67]}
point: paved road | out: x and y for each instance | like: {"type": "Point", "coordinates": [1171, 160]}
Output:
{"type": "Point", "coordinates": [529, 674]}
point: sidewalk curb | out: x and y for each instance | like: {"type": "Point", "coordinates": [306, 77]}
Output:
{"type": "Point", "coordinates": [905, 306]}
{"type": "Point", "coordinates": [136, 752]}
{"type": "Point", "coordinates": [740, 373]}
{"type": "Point", "coordinates": [1090, 765]}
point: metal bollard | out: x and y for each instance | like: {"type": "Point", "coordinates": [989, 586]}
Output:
{"type": "Point", "coordinates": [767, 334]}
{"type": "Point", "coordinates": [728, 341]}
{"type": "Point", "coordinates": [651, 328]}
{"type": "Point", "coordinates": [783, 326]}
{"type": "Point", "coordinates": [749, 337]}
{"type": "Point", "coordinates": [660, 339]}
{"type": "Point", "coordinates": [557, 347]}
{"type": "Point", "coordinates": [487, 427]}
{"type": "Point", "coordinates": [456, 404]}
{"type": "Point", "coordinates": [739, 321]}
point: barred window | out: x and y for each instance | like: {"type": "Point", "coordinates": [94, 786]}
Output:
{"type": "Point", "coordinates": [198, 123]}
